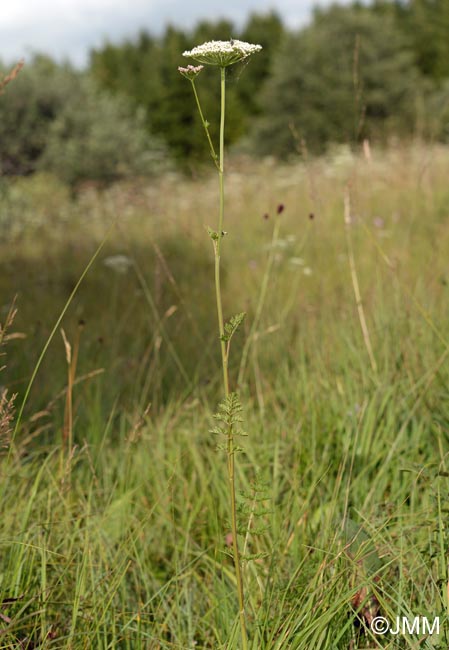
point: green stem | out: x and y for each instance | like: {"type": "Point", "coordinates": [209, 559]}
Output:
{"type": "Point", "coordinates": [235, 546]}
{"type": "Point", "coordinates": [217, 246]}
{"type": "Point", "coordinates": [205, 125]}
{"type": "Point", "coordinates": [224, 358]}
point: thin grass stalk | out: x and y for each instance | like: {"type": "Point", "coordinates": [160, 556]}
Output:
{"type": "Point", "coordinates": [50, 338]}
{"type": "Point", "coordinates": [67, 431]}
{"type": "Point", "coordinates": [72, 362]}
{"type": "Point", "coordinates": [355, 284]}
{"type": "Point", "coordinates": [261, 302]}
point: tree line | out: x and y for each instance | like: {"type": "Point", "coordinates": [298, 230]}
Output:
{"type": "Point", "coordinates": [353, 72]}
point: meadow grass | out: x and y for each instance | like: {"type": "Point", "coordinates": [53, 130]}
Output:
{"type": "Point", "coordinates": [343, 482]}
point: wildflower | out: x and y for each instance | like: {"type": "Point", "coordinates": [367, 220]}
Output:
{"type": "Point", "coordinates": [222, 53]}
{"type": "Point", "coordinates": [379, 222]}
{"type": "Point", "coordinates": [191, 72]}
{"type": "Point", "coordinates": [118, 263]}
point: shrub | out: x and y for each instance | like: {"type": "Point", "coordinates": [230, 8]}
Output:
{"type": "Point", "coordinates": [99, 137]}
{"type": "Point", "coordinates": [55, 119]}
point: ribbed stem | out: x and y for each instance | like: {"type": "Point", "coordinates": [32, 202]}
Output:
{"type": "Point", "coordinates": [224, 355]}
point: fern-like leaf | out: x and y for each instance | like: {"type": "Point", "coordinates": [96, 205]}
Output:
{"type": "Point", "coordinates": [232, 326]}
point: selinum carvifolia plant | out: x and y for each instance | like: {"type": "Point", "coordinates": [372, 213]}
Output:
{"type": "Point", "coordinates": [222, 54]}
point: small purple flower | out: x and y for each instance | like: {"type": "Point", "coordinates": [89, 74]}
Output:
{"type": "Point", "coordinates": [379, 222]}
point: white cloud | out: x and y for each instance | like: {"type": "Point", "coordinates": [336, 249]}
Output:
{"type": "Point", "coordinates": [69, 28]}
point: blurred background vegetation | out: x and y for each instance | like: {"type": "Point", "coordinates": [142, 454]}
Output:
{"type": "Point", "coordinates": [118, 148]}
{"type": "Point", "coordinates": [379, 72]}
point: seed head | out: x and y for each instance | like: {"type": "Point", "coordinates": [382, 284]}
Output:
{"type": "Point", "coordinates": [280, 208]}
{"type": "Point", "coordinates": [11, 76]}
{"type": "Point", "coordinates": [191, 71]}
{"type": "Point", "coordinates": [222, 53]}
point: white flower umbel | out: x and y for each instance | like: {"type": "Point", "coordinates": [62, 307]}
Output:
{"type": "Point", "coordinates": [222, 53]}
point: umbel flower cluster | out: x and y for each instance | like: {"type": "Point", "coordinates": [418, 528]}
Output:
{"type": "Point", "coordinates": [222, 53]}
{"type": "Point", "coordinates": [191, 71]}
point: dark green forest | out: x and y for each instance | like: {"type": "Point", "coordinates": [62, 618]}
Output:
{"type": "Point", "coordinates": [354, 72]}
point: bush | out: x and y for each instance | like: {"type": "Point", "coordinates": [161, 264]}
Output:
{"type": "Point", "coordinates": [55, 119]}
{"type": "Point", "coordinates": [27, 109]}
{"type": "Point", "coordinates": [98, 137]}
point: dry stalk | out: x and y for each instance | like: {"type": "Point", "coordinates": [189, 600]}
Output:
{"type": "Point", "coordinates": [355, 283]}
{"type": "Point", "coordinates": [11, 76]}
{"type": "Point", "coordinates": [7, 401]}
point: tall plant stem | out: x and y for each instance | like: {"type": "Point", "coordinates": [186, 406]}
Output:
{"type": "Point", "coordinates": [217, 247]}
{"type": "Point", "coordinates": [224, 359]}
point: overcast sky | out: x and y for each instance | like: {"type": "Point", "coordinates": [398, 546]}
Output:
{"type": "Point", "coordinates": [67, 29]}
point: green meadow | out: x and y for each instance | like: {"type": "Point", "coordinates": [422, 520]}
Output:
{"type": "Point", "coordinates": [114, 528]}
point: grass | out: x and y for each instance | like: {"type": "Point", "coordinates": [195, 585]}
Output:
{"type": "Point", "coordinates": [344, 478]}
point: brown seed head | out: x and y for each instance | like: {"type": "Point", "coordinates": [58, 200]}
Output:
{"type": "Point", "coordinates": [12, 75]}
